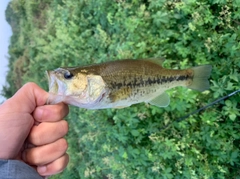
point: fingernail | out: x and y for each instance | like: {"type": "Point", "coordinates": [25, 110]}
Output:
{"type": "Point", "coordinates": [41, 169]}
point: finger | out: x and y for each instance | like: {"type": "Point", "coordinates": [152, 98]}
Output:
{"type": "Point", "coordinates": [42, 155]}
{"type": "Point", "coordinates": [50, 113]}
{"type": "Point", "coordinates": [33, 96]}
{"type": "Point", "coordinates": [54, 167]}
{"type": "Point", "coordinates": [46, 133]}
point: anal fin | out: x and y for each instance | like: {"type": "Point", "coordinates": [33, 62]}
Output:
{"type": "Point", "coordinates": [162, 100]}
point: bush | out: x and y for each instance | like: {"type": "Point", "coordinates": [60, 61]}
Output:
{"type": "Point", "coordinates": [133, 142]}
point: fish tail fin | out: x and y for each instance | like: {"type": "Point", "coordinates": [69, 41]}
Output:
{"type": "Point", "coordinates": [200, 78]}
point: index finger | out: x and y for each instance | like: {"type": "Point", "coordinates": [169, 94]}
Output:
{"type": "Point", "coordinates": [51, 113]}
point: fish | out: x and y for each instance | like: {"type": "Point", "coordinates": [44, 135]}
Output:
{"type": "Point", "coordinates": [122, 83]}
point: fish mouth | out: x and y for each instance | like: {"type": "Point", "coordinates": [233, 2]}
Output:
{"type": "Point", "coordinates": [56, 93]}
{"type": "Point", "coordinates": [53, 86]}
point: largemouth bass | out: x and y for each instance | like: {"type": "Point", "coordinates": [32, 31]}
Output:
{"type": "Point", "coordinates": [121, 83]}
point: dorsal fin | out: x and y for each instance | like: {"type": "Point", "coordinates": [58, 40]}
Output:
{"type": "Point", "coordinates": [158, 61]}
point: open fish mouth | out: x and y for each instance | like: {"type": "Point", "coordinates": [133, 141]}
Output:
{"type": "Point", "coordinates": [53, 85]}
{"type": "Point", "coordinates": [55, 94]}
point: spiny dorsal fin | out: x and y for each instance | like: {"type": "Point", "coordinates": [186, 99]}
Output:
{"type": "Point", "coordinates": [162, 100]}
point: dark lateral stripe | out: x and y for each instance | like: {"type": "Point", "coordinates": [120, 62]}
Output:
{"type": "Point", "coordinates": [150, 81]}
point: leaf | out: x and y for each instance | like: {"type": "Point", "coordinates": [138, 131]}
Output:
{"type": "Point", "coordinates": [125, 155]}
{"type": "Point", "coordinates": [135, 133]}
{"type": "Point", "coordinates": [233, 117]}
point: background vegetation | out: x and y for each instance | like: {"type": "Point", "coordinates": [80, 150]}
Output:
{"type": "Point", "coordinates": [131, 142]}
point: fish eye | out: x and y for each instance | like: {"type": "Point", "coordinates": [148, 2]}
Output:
{"type": "Point", "coordinates": [68, 75]}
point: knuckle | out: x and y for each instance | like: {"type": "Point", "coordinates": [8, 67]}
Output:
{"type": "Point", "coordinates": [59, 168]}
{"type": "Point", "coordinates": [33, 157]}
{"type": "Point", "coordinates": [63, 145]}
{"type": "Point", "coordinates": [29, 84]}
{"type": "Point", "coordinates": [61, 165]}
{"type": "Point", "coordinates": [64, 127]}
{"type": "Point", "coordinates": [65, 109]}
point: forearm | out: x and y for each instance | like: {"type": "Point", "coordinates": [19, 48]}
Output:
{"type": "Point", "coordinates": [15, 169]}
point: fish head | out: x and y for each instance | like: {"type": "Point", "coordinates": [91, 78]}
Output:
{"type": "Point", "coordinates": [65, 82]}
{"type": "Point", "coordinates": [74, 87]}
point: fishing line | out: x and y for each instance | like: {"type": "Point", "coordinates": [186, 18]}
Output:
{"type": "Point", "coordinates": [203, 108]}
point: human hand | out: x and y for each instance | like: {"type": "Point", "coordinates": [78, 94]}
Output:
{"type": "Point", "coordinates": [33, 132]}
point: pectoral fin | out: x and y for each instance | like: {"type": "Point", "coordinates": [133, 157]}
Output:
{"type": "Point", "coordinates": [120, 94]}
{"type": "Point", "coordinates": [162, 100]}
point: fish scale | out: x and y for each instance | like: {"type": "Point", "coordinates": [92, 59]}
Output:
{"type": "Point", "coordinates": [139, 81]}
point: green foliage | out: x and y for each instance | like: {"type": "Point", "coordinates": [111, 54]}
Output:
{"type": "Point", "coordinates": [133, 142]}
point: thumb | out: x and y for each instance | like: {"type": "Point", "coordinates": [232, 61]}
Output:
{"type": "Point", "coordinates": [28, 98]}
